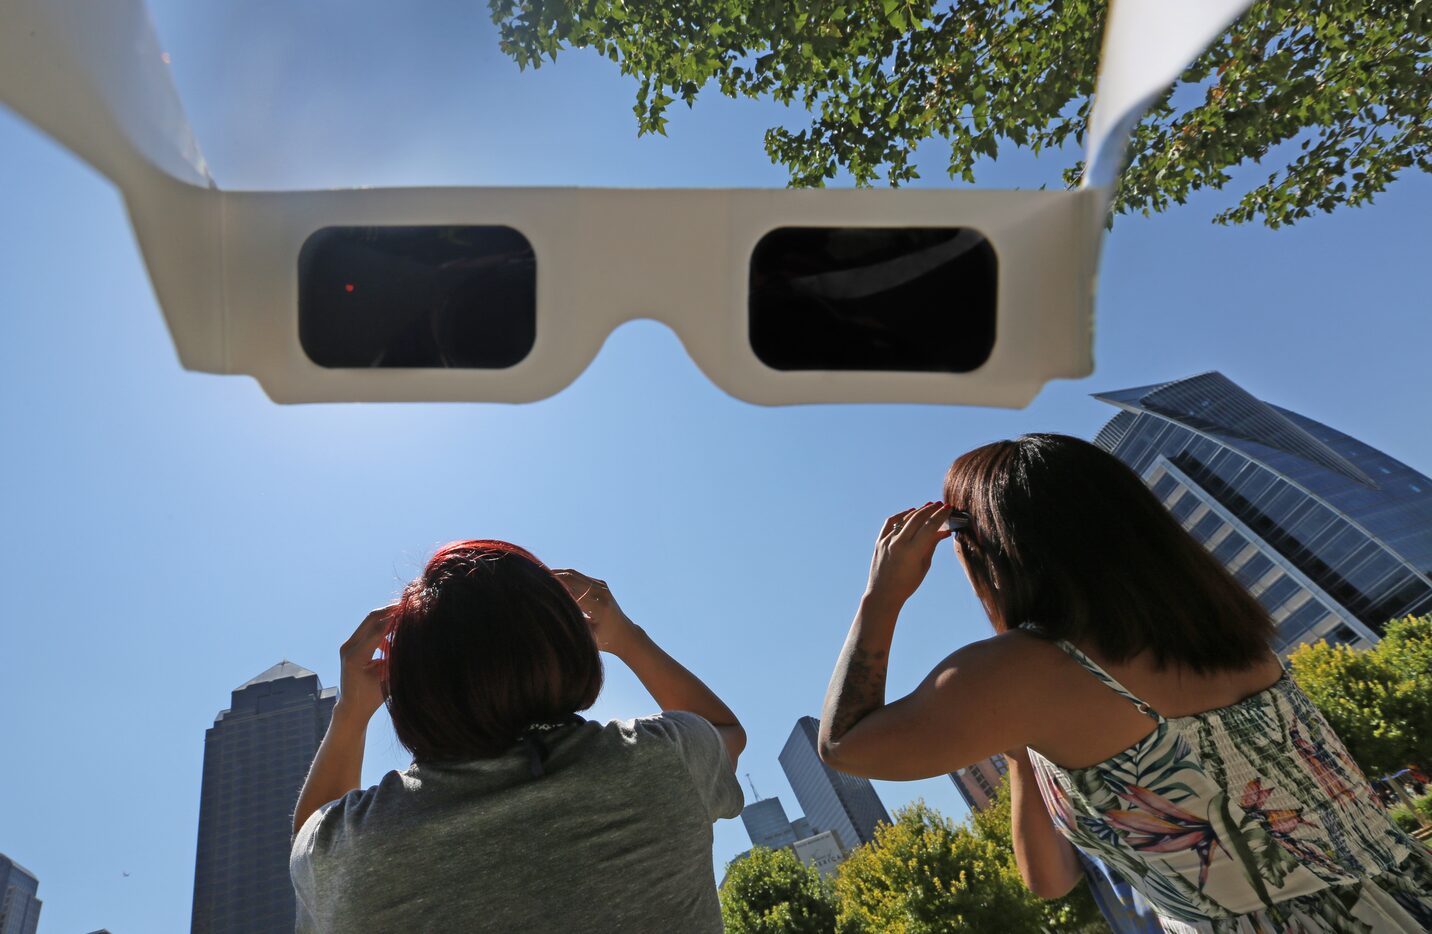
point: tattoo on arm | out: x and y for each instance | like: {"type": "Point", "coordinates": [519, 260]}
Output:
{"type": "Point", "coordinates": [862, 690]}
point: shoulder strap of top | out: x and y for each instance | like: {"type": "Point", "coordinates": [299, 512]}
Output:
{"type": "Point", "coordinates": [1109, 680]}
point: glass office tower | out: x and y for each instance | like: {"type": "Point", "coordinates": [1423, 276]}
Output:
{"type": "Point", "coordinates": [832, 800]}
{"type": "Point", "coordinates": [19, 908]}
{"type": "Point", "coordinates": [1332, 536]}
{"type": "Point", "coordinates": [767, 824]}
{"type": "Point", "coordinates": [256, 756]}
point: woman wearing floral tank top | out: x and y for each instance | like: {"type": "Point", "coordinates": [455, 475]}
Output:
{"type": "Point", "coordinates": [1131, 685]}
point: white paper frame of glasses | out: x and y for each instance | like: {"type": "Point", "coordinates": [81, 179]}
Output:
{"type": "Point", "coordinates": [225, 270]}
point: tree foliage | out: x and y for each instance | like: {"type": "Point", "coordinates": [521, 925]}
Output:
{"type": "Point", "coordinates": [1075, 912]}
{"type": "Point", "coordinates": [1336, 96]}
{"type": "Point", "coordinates": [925, 874]}
{"type": "Point", "coordinates": [773, 892]}
{"type": "Point", "coordinates": [1378, 700]}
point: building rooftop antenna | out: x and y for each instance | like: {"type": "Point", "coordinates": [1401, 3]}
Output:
{"type": "Point", "coordinates": [754, 793]}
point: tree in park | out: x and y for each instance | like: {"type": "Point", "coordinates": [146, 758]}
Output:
{"type": "Point", "coordinates": [925, 874]}
{"type": "Point", "coordinates": [1378, 700]}
{"type": "Point", "coordinates": [773, 892]}
{"type": "Point", "coordinates": [1075, 912]}
{"type": "Point", "coordinates": [1333, 99]}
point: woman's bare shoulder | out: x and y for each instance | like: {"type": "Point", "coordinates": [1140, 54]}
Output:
{"type": "Point", "coordinates": [1014, 647]}
{"type": "Point", "coordinates": [1012, 658]}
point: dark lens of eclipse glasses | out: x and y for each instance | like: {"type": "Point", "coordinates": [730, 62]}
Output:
{"type": "Point", "coordinates": [461, 297]}
{"type": "Point", "coordinates": [920, 299]}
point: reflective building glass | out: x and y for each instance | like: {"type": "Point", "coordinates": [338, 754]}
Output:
{"type": "Point", "coordinates": [19, 906]}
{"type": "Point", "coordinates": [767, 824]}
{"type": "Point", "coordinates": [845, 804]}
{"type": "Point", "coordinates": [256, 756]}
{"type": "Point", "coordinates": [1334, 537]}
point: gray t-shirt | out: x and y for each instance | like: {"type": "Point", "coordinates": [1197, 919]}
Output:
{"type": "Point", "coordinates": [614, 836]}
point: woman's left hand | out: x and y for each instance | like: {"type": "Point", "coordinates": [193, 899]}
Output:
{"type": "Point", "coordinates": [611, 627]}
{"type": "Point", "coordinates": [904, 550]}
{"type": "Point", "coordinates": [360, 691]}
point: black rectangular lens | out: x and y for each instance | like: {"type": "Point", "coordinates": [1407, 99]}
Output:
{"type": "Point", "coordinates": [871, 298]}
{"type": "Point", "coordinates": [417, 297]}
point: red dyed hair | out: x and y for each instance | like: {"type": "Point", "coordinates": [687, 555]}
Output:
{"type": "Point", "coordinates": [486, 642]}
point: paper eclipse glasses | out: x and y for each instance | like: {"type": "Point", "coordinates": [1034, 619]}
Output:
{"type": "Point", "coordinates": [506, 294]}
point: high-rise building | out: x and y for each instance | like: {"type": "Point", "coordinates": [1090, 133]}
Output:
{"type": "Point", "coordinates": [256, 756]}
{"type": "Point", "coordinates": [1332, 536]}
{"type": "Point", "coordinates": [767, 824]}
{"type": "Point", "coordinates": [19, 908]}
{"type": "Point", "coordinates": [978, 783]}
{"type": "Point", "coordinates": [831, 800]}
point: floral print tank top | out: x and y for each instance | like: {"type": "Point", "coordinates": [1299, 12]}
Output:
{"type": "Point", "coordinates": [1247, 818]}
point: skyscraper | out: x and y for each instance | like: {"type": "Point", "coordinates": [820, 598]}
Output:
{"type": "Point", "coordinates": [832, 800]}
{"type": "Point", "coordinates": [256, 756]}
{"type": "Point", "coordinates": [19, 908]}
{"type": "Point", "coordinates": [1333, 537]}
{"type": "Point", "coordinates": [978, 783]}
{"type": "Point", "coordinates": [767, 824]}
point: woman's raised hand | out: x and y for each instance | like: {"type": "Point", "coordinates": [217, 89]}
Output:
{"type": "Point", "coordinates": [611, 627]}
{"type": "Point", "coordinates": [904, 550]}
{"type": "Point", "coordinates": [360, 691]}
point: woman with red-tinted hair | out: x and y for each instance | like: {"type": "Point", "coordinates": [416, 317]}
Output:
{"type": "Point", "coordinates": [516, 814]}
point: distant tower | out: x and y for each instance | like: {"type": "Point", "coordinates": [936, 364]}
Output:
{"type": "Point", "coordinates": [767, 824]}
{"type": "Point", "coordinates": [979, 783]}
{"type": "Point", "coordinates": [831, 800]}
{"type": "Point", "coordinates": [19, 908]}
{"type": "Point", "coordinates": [1332, 536]}
{"type": "Point", "coordinates": [256, 756]}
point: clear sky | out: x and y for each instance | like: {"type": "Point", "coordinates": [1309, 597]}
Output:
{"type": "Point", "coordinates": [168, 535]}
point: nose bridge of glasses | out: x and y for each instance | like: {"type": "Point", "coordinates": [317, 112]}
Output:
{"type": "Point", "coordinates": [658, 254]}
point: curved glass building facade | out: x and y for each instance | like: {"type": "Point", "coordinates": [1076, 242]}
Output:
{"type": "Point", "coordinates": [1334, 537]}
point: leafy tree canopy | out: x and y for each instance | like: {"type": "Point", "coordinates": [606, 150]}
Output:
{"type": "Point", "coordinates": [1335, 96]}
{"type": "Point", "coordinates": [924, 874]}
{"type": "Point", "coordinates": [773, 892]}
{"type": "Point", "coordinates": [1075, 912]}
{"type": "Point", "coordinates": [1378, 700]}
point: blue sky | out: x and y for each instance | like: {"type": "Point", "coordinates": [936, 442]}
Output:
{"type": "Point", "coordinates": [171, 534]}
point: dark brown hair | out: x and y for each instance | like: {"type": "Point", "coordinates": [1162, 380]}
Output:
{"type": "Point", "coordinates": [1067, 540]}
{"type": "Point", "coordinates": [484, 644]}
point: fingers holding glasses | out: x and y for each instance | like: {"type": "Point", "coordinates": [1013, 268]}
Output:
{"type": "Point", "coordinates": [360, 686]}
{"type": "Point", "coordinates": [610, 625]}
{"type": "Point", "coordinates": [903, 553]}
{"type": "Point", "coordinates": [894, 524]}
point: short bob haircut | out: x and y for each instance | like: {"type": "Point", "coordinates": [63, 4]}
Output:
{"type": "Point", "coordinates": [486, 643]}
{"type": "Point", "coordinates": [1067, 541]}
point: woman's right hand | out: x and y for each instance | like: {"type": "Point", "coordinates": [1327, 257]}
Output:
{"type": "Point", "coordinates": [611, 627]}
{"type": "Point", "coordinates": [904, 551]}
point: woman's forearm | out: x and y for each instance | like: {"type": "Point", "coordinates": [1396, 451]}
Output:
{"type": "Point", "coordinates": [1046, 860]}
{"type": "Point", "coordinates": [337, 767]}
{"type": "Point", "coordinates": [857, 685]}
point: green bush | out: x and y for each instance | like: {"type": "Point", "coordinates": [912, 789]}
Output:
{"type": "Point", "coordinates": [773, 892]}
{"type": "Point", "coordinates": [1404, 818]}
